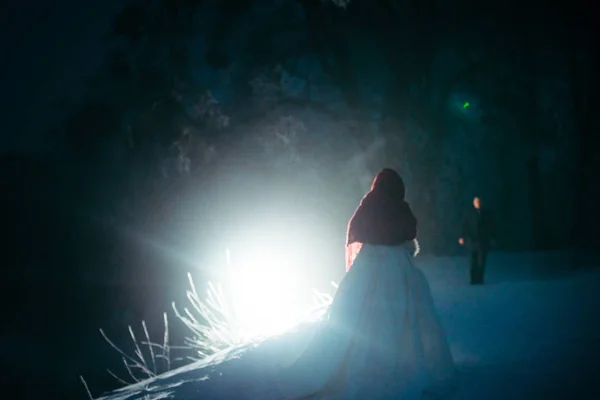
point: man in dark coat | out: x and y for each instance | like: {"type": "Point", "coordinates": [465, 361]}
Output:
{"type": "Point", "coordinates": [477, 237]}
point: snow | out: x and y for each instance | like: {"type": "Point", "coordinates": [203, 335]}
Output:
{"type": "Point", "coordinates": [530, 332]}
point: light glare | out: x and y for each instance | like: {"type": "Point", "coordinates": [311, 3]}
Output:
{"type": "Point", "coordinates": [266, 295]}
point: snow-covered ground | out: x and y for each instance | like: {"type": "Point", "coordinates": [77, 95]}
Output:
{"type": "Point", "coordinates": [532, 332]}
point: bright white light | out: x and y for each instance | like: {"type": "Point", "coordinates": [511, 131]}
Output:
{"type": "Point", "coordinates": [266, 293]}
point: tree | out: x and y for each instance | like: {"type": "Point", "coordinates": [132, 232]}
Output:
{"type": "Point", "coordinates": [583, 62]}
{"type": "Point", "coordinates": [411, 36]}
{"type": "Point", "coordinates": [143, 119]}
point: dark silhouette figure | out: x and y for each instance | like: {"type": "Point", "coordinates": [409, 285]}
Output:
{"type": "Point", "coordinates": [477, 236]}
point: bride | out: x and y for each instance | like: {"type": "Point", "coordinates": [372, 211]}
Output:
{"type": "Point", "coordinates": [381, 338]}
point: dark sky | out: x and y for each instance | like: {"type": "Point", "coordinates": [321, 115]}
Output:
{"type": "Point", "coordinates": [48, 51]}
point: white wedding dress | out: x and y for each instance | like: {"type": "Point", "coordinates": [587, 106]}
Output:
{"type": "Point", "coordinates": [381, 340]}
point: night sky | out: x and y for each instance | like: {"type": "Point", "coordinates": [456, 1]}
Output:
{"type": "Point", "coordinates": [134, 152]}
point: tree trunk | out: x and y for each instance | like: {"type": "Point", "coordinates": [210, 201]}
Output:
{"type": "Point", "coordinates": [585, 87]}
{"type": "Point", "coordinates": [536, 203]}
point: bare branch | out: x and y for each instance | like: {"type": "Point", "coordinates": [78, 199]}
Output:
{"type": "Point", "coordinates": [87, 389]}
{"type": "Point", "coordinates": [123, 382]}
{"type": "Point", "coordinates": [149, 346]}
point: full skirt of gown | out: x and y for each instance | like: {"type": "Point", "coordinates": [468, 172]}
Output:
{"type": "Point", "coordinates": [381, 339]}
